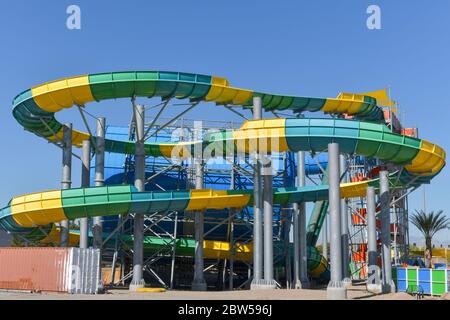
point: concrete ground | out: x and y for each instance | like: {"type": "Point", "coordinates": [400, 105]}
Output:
{"type": "Point", "coordinates": [354, 292]}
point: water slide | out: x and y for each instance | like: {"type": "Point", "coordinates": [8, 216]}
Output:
{"type": "Point", "coordinates": [416, 161]}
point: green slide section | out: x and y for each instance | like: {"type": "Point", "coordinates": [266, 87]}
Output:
{"type": "Point", "coordinates": [317, 217]}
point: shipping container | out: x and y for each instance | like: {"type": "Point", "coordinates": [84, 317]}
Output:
{"type": "Point", "coordinates": [35, 269]}
{"type": "Point", "coordinates": [70, 270]}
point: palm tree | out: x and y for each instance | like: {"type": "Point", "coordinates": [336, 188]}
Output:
{"type": "Point", "coordinates": [429, 224]}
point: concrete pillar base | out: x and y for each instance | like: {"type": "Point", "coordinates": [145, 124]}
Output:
{"type": "Point", "coordinates": [374, 288]}
{"type": "Point", "coordinates": [303, 284]}
{"type": "Point", "coordinates": [336, 291]}
{"type": "Point", "coordinates": [262, 284]}
{"type": "Point", "coordinates": [347, 282]}
{"type": "Point", "coordinates": [388, 288]}
{"type": "Point", "coordinates": [101, 289]}
{"type": "Point", "coordinates": [255, 283]}
{"type": "Point", "coordinates": [135, 286]}
{"type": "Point", "coordinates": [199, 285]}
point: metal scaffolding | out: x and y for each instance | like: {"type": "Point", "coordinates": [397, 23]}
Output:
{"type": "Point", "coordinates": [163, 265]}
{"type": "Point", "coordinates": [361, 169]}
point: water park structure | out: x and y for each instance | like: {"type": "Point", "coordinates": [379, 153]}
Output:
{"type": "Point", "coordinates": [226, 209]}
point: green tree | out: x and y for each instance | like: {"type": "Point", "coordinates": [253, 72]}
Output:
{"type": "Point", "coordinates": [429, 224]}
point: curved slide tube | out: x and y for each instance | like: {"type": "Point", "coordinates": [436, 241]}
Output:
{"type": "Point", "coordinates": [35, 109]}
{"type": "Point", "coordinates": [316, 220]}
{"type": "Point", "coordinates": [43, 208]}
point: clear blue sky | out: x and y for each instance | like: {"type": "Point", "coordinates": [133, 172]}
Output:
{"type": "Point", "coordinates": [310, 48]}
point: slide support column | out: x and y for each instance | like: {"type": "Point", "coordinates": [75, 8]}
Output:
{"type": "Point", "coordinates": [66, 182]}
{"type": "Point", "coordinates": [269, 282]}
{"type": "Point", "coordinates": [300, 247]}
{"type": "Point", "coordinates": [302, 223]}
{"type": "Point", "coordinates": [373, 279]}
{"type": "Point", "coordinates": [257, 209]}
{"type": "Point", "coordinates": [346, 281]}
{"type": "Point", "coordinates": [85, 182]}
{"type": "Point", "coordinates": [99, 178]}
{"type": "Point", "coordinates": [99, 181]}
{"type": "Point", "coordinates": [199, 283]}
{"type": "Point", "coordinates": [231, 232]}
{"type": "Point", "coordinates": [296, 238]}
{"type": "Point", "coordinates": [139, 183]}
{"type": "Point", "coordinates": [335, 289]}
{"type": "Point", "coordinates": [385, 199]}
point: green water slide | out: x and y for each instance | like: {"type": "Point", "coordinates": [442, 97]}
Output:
{"type": "Point", "coordinates": [417, 160]}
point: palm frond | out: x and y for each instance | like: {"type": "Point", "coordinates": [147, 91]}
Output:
{"type": "Point", "coordinates": [430, 223]}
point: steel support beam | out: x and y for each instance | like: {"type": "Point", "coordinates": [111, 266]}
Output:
{"type": "Point", "coordinates": [344, 226]}
{"type": "Point", "coordinates": [285, 225]}
{"type": "Point", "coordinates": [269, 282]}
{"type": "Point", "coordinates": [193, 105]}
{"type": "Point", "coordinates": [199, 283]}
{"type": "Point", "coordinates": [139, 183]}
{"type": "Point", "coordinates": [257, 209]}
{"type": "Point", "coordinates": [164, 105]}
{"type": "Point", "coordinates": [257, 108]}
{"type": "Point", "coordinates": [66, 181]}
{"type": "Point", "coordinates": [395, 224]}
{"type": "Point", "coordinates": [85, 182]}
{"type": "Point", "coordinates": [373, 279]}
{"type": "Point", "coordinates": [335, 289]}
{"type": "Point", "coordinates": [387, 284]}
{"type": "Point", "coordinates": [299, 232]}
{"type": "Point", "coordinates": [231, 239]}
{"type": "Point", "coordinates": [302, 224]}
{"type": "Point", "coordinates": [296, 240]}
{"type": "Point", "coordinates": [174, 250]}
{"type": "Point", "coordinates": [231, 214]}
{"type": "Point", "coordinates": [99, 179]}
